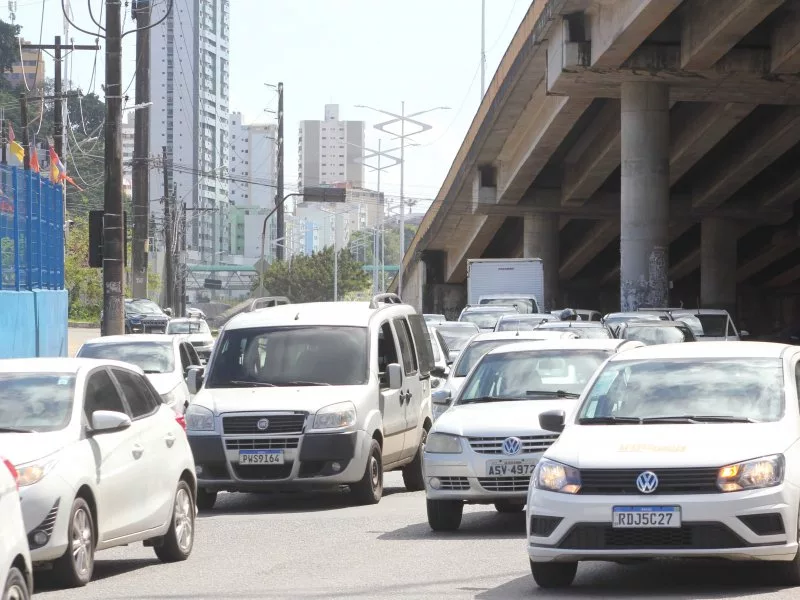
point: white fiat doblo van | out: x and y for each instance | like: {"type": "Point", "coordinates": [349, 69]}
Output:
{"type": "Point", "coordinates": [317, 395]}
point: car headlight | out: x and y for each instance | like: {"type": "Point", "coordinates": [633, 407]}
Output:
{"type": "Point", "coordinates": [175, 398]}
{"type": "Point", "coordinates": [336, 416]}
{"type": "Point", "coordinates": [33, 472]}
{"type": "Point", "coordinates": [555, 477]}
{"type": "Point", "coordinates": [199, 418]}
{"type": "Point", "coordinates": [752, 474]}
{"type": "Point", "coordinates": [443, 443]}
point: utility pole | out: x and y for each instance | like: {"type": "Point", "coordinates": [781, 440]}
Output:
{"type": "Point", "coordinates": [113, 234]}
{"type": "Point", "coordinates": [281, 233]}
{"type": "Point", "coordinates": [169, 282]}
{"type": "Point", "coordinates": [23, 112]}
{"type": "Point", "coordinates": [141, 146]}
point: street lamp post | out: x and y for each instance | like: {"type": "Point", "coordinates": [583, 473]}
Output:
{"type": "Point", "coordinates": [402, 118]}
{"type": "Point", "coordinates": [278, 205]}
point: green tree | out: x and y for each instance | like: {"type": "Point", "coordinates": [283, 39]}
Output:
{"type": "Point", "coordinates": [84, 283]}
{"type": "Point", "coordinates": [310, 278]}
{"type": "Point", "coordinates": [9, 47]}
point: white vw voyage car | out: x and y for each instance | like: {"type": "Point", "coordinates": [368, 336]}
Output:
{"type": "Point", "coordinates": [102, 462]}
{"type": "Point", "coordinates": [676, 450]}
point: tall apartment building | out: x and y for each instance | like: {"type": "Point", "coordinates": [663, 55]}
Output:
{"type": "Point", "coordinates": [252, 163]}
{"type": "Point", "coordinates": [30, 69]}
{"type": "Point", "coordinates": [331, 151]}
{"type": "Point", "coordinates": [189, 78]}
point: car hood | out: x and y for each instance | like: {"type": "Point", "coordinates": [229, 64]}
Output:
{"type": "Point", "coordinates": [665, 446]}
{"type": "Point", "coordinates": [200, 339]}
{"type": "Point", "coordinates": [22, 448]}
{"type": "Point", "coordinates": [307, 398]}
{"type": "Point", "coordinates": [516, 417]}
{"type": "Point", "coordinates": [164, 382]}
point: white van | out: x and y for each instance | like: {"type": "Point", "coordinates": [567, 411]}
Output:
{"type": "Point", "coordinates": [314, 395]}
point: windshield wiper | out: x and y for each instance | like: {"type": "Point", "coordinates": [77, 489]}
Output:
{"type": "Point", "coordinates": [239, 383]}
{"type": "Point", "coordinates": [15, 430]}
{"type": "Point", "coordinates": [609, 420]}
{"type": "Point", "coordinates": [699, 419]}
{"type": "Point", "coordinates": [152, 372]}
{"type": "Point", "coordinates": [489, 399]}
{"type": "Point", "coordinates": [557, 393]}
{"type": "Point", "coordinates": [301, 383]}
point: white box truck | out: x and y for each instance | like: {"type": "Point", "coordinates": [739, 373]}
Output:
{"type": "Point", "coordinates": [518, 281]}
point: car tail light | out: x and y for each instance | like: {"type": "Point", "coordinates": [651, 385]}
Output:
{"type": "Point", "coordinates": [12, 470]}
{"type": "Point", "coordinates": [181, 420]}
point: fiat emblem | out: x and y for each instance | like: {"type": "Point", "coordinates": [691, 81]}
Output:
{"type": "Point", "coordinates": [262, 424]}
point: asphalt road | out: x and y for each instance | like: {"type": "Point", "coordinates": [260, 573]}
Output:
{"type": "Point", "coordinates": [267, 547]}
{"type": "Point", "coordinates": [77, 337]}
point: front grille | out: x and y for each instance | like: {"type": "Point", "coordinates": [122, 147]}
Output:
{"type": "Point", "coordinates": [277, 424]}
{"type": "Point", "coordinates": [262, 443]}
{"type": "Point", "coordinates": [262, 472]}
{"type": "Point", "coordinates": [691, 536]}
{"type": "Point", "coordinates": [531, 444]}
{"type": "Point", "coordinates": [505, 484]}
{"type": "Point", "coordinates": [154, 322]}
{"type": "Point", "coordinates": [544, 526]}
{"type": "Point", "coordinates": [454, 484]}
{"type": "Point", "coordinates": [670, 481]}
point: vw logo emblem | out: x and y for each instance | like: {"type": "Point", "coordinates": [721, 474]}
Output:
{"type": "Point", "coordinates": [512, 445]}
{"type": "Point", "coordinates": [262, 424]}
{"type": "Point", "coordinates": [647, 482]}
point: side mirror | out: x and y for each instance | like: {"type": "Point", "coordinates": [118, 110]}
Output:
{"type": "Point", "coordinates": [440, 372]}
{"type": "Point", "coordinates": [743, 333]}
{"type": "Point", "coordinates": [553, 420]}
{"type": "Point", "coordinates": [194, 379]}
{"type": "Point", "coordinates": [441, 397]}
{"type": "Point", "coordinates": [395, 374]}
{"type": "Point", "coordinates": [109, 421]}
{"type": "Point", "coordinates": [168, 312]}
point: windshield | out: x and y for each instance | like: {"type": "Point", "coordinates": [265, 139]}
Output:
{"type": "Point", "coordinates": [587, 333]}
{"type": "Point", "coordinates": [470, 356]}
{"type": "Point", "coordinates": [711, 325]}
{"type": "Point", "coordinates": [485, 320]}
{"type": "Point", "coordinates": [150, 357]}
{"type": "Point", "coordinates": [457, 337]}
{"type": "Point", "coordinates": [518, 324]}
{"type": "Point", "coordinates": [532, 375]}
{"type": "Point", "coordinates": [184, 327]}
{"type": "Point", "coordinates": [523, 305]}
{"type": "Point", "coordinates": [144, 307]}
{"type": "Point", "coordinates": [290, 356]}
{"type": "Point", "coordinates": [36, 401]}
{"type": "Point", "coordinates": [651, 336]}
{"type": "Point", "coordinates": [746, 388]}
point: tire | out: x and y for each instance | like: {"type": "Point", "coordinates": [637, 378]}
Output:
{"type": "Point", "coordinates": [504, 506]}
{"type": "Point", "coordinates": [16, 587]}
{"type": "Point", "coordinates": [76, 566]}
{"type": "Point", "coordinates": [206, 499]}
{"type": "Point", "coordinates": [554, 575]}
{"type": "Point", "coordinates": [445, 515]}
{"type": "Point", "coordinates": [178, 542]}
{"type": "Point", "coordinates": [413, 476]}
{"type": "Point", "coordinates": [370, 489]}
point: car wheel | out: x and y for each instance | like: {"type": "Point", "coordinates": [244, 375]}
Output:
{"type": "Point", "coordinates": [75, 567]}
{"type": "Point", "coordinates": [413, 476]}
{"type": "Point", "coordinates": [178, 542]}
{"type": "Point", "coordinates": [206, 499]}
{"type": "Point", "coordinates": [554, 575]}
{"type": "Point", "coordinates": [370, 489]}
{"type": "Point", "coordinates": [16, 587]}
{"type": "Point", "coordinates": [445, 515]}
{"type": "Point", "coordinates": [508, 507]}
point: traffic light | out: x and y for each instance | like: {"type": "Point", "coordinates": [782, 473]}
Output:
{"type": "Point", "coordinates": [96, 238]}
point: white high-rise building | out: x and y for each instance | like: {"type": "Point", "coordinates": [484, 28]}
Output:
{"type": "Point", "coordinates": [253, 163]}
{"type": "Point", "coordinates": [189, 78]}
{"type": "Point", "coordinates": [331, 151]}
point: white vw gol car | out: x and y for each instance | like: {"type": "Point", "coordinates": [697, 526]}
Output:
{"type": "Point", "coordinates": [16, 572]}
{"type": "Point", "coordinates": [102, 462]}
{"type": "Point", "coordinates": [677, 450]}
{"type": "Point", "coordinates": [484, 449]}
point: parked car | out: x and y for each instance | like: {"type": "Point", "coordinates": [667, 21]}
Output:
{"type": "Point", "coordinates": [484, 449]}
{"type": "Point", "coordinates": [102, 462]}
{"type": "Point", "coordinates": [656, 332]}
{"type": "Point", "coordinates": [432, 319]}
{"type": "Point", "coordinates": [710, 324]}
{"type": "Point", "coordinates": [583, 329]}
{"type": "Point", "coordinates": [485, 316]}
{"type": "Point", "coordinates": [441, 358]}
{"type": "Point", "coordinates": [456, 334]}
{"type": "Point", "coordinates": [522, 322]}
{"type": "Point", "coordinates": [614, 320]}
{"type": "Point", "coordinates": [16, 569]}
{"type": "Point", "coordinates": [196, 332]}
{"type": "Point", "coordinates": [305, 396]}
{"type": "Point", "coordinates": [676, 451]}
{"type": "Point", "coordinates": [144, 316]}
{"type": "Point", "coordinates": [165, 359]}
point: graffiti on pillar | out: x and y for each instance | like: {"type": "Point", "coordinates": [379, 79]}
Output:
{"type": "Point", "coordinates": [633, 294]}
{"type": "Point", "coordinates": [652, 291]}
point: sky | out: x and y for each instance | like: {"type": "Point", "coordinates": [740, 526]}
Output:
{"type": "Point", "coordinates": [378, 53]}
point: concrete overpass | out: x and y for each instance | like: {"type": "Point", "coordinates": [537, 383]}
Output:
{"type": "Point", "coordinates": [647, 150]}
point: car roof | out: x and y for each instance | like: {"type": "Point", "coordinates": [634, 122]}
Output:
{"type": "Point", "coordinates": [570, 344]}
{"type": "Point", "coordinates": [488, 307]}
{"type": "Point", "coordinates": [528, 316]}
{"type": "Point", "coordinates": [60, 365]}
{"type": "Point", "coordinates": [699, 312]}
{"type": "Point", "coordinates": [342, 314]}
{"type": "Point", "coordinates": [532, 335]}
{"type": "Point", "coordinates": [138, 338]}
{"type": "Point", "coordinates": [641, 314]}
{"type": "Point", "coordinates": [708, 350]}
{"type": "Point", "coordinates": [570, 324]}
{"type": "Point", "coordinates": [188, 320]}
{"type": "Point", "coordinates": [458, 325]}
{"type": "Point", "coordinates": [654, 323]}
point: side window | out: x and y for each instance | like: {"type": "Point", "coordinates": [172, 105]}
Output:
{"type": "Point", "coordinates": [406, 346]}
{"type": "Point", "coordinates": [423, 343]}
{"type": "Point", "coordinates": [185, 361]}
{"type": "Point", "coordinates": [387, 351]}
{"type": "Point", "coordinates": [136, 393]}
{"type": "Point", "coordinates": [194, 359]}
{"type": "Point", "coordinates": [101, 394]}
{"type": "Point", "coordinates": [443, 345]}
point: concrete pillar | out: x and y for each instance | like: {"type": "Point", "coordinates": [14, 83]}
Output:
{"type": "Point", "coordinates": [433, 261]}
{"type": "Point", "coordinates": [644, 209]}
{"type": "Point", "coordinates": [540, 240]}
{"type": "Point", "coordinates": [718, 264]}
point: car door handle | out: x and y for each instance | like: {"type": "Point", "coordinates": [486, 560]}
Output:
{"type": "Point", "coordinates": [170, 440]}
{"type": "Point", "coordinates": [408, 396]}
{"type": "Point", "coordinates": [138, 451]}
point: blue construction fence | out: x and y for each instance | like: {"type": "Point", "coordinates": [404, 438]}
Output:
{"type": "Point", "coordinates": [33, 302]}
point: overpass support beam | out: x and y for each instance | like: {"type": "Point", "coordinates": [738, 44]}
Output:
{"type": "Point", "coordinates": [644, 208]}
{"type": "Point", "coordinates": [540, 240]}
{"type": "Point", "coordinates": [718, 263]}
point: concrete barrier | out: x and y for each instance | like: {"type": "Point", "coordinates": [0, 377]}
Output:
{"type": "Point", "coordinates": [17, 325]}
{"type": "Point", "coordinates": [52, 311]}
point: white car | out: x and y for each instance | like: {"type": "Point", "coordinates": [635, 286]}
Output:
{"type": "Point", "coordinates": [676, 451]}
{"type": "Point", "coordinates": [102, 462]}
{"type": "Point", "coordinates": [165, 359]}
{"type": "Point", "coordinates": [16, 571]}
{"type": "Point", "coordinates": [475, 348]}
{"type": "Point", "coordinates": [484, 449]}
{"type": "Point", "coordinates": [197, 332]}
